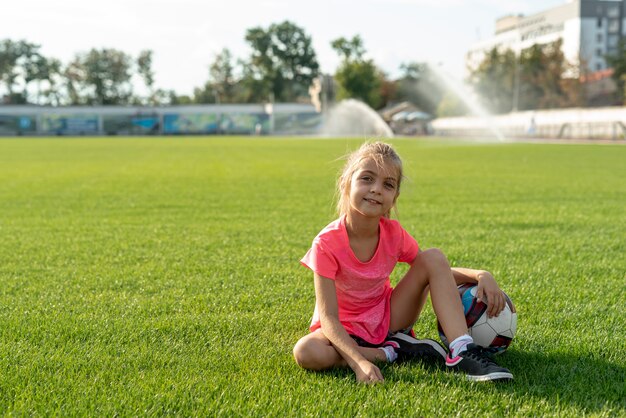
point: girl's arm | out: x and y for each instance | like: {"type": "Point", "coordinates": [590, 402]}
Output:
{"type": "Point", "coordinates": [488, 289]}
{"type": "Point", "coordinates": [326, 299]}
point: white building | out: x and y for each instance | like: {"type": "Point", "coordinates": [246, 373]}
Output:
{"type": "Point", "coordinates": [589, 29]}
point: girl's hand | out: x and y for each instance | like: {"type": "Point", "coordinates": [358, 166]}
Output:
{"type": "Point", "coordinates": [367, 372]}
{"type": "Point", "coordinates": [489, 292]}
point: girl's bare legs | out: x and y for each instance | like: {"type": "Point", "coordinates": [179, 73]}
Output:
{"type": "Point", "coordinates": [315, 352]}
{"type": "Point", "coordinates": [430, 272]}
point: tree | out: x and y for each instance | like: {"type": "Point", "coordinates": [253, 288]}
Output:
{"type": "Point", "coordinates": [528, 89]}
{"type": "Point", "coordinates": [544, 83]}
{"type": "Point", "coordinates": [100, 77]}
{"type": "Point", "coordinates": [283, 61]}
{"type": "Point", "coordinates": [420, 86]}
{"type": "Point", "coordinates": [349, 49]}
{"type": "Point", "coordinates": [494, 80]}
{"type": "Point", "coordinates": [221, 77]}
{"type": "Point", "coordinates": [451, 105]}
{"type": "Point", "coordinates": [174, 99]}
{"type": "Point", "coordinates": [37, 68]}
{"type": "Point", "coordinates": [9, 55]}
{"type": "Point", "coordinates": [413, 71]}
{"type": "Point", "coordinates": [357, 77]}
{"type": "Point", "coordinates": [205, 94]}
{"type": "Point", "coordinates": [52, 75]}
{"type": "Point", "coordinates": [74, 76]}
{"type": "Point", "coordinates": [539, 78]}
{"type": "Point", "coordinates": [618, 63]}
{"type": "Point", "coordinates": [20, 63]}
{"type": "Point", "coordinates": [144, 68]}
{"type": "Point", "coordinates": [388, 90]}
{"type": "Point", "coordinates": [359, 80]}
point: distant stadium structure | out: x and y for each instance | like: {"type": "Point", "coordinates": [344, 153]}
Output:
{"type": "Point", "coordinates": [224, 119]}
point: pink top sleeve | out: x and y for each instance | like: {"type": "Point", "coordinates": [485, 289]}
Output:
{"type": "Point", "coordinates": [320, 260]}
{"type": "Point", "coordinates": [408, 249]}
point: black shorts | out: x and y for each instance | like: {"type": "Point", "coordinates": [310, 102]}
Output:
{"type": "Point", "coordinates": [362, 343]}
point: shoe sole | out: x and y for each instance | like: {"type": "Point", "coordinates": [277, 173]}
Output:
{"type": "Point", "coordinates": [497, 376]}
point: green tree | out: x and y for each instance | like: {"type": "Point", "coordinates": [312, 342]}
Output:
{"type": "Point", "coordinates": [53, 77]}
{"type": "Point", "coordinates": [39, 69]}
{"type": "Point", "coordinates": [420, 86]}
{"type": "Point", "coordinates": [547, 79]}
{"type": "Point", "coordinates": [144, 68]}
{"type": "Point", "coordinates": [494, 80]}
{"type": "Point", "coordinates": [74, 76]}
{"type": "Point", "coordinates": [9, 55]}
{"type": "Point", "coordinates": [451, 105]}
{"type": "Point", "coordinates": [20, 63]}
{"type": "Point", "coordinates": [221, 85]}
{"type": "Point", "coordinates": [358, 78]}
{"type": "Point", "coordinates": [529, 89]}
{"type": "Point", "coordinates": [539, 78]}
{"type": "Point", "coordinates": [618, 63]}
{"type": "Point", "coordinates": [174, 99]}
{"type": "Point", "coordinates": [205, 94]}
{"type": "Point", "coordinates": [349, 49]}
{"type": "Point", "coordinates": [101, 77]}
{"type": "Point", "coordinates": [283, 62]}
{"type": "Point", "coordinates": [388, 90]}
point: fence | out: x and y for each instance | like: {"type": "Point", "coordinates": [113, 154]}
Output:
{"type": "Point", "coordinates": [255, 119]}
{"type": "Point", "coordinates": [579, 123]}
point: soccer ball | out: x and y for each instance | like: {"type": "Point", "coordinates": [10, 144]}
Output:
{"type": "Point", "coordinates": [495, 334]}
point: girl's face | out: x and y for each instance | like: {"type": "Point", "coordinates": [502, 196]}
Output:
{"type": "Point", "coordinates": [373, 189]}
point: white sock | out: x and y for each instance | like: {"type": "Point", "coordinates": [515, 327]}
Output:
{"type": "Point", "coordinates": [390, 353]}
{"type": "Point", "coordinates": [460, 344]}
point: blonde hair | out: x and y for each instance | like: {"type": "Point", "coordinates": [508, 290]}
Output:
{"type": "Point", "coordinates": [379, 152]}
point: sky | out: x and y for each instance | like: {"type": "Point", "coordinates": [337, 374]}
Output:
{"type": "Point", "coordinates": [185, 35]}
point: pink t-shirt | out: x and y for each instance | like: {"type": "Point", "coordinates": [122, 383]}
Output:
{"type": "Point", "coordinates": [363, 289]}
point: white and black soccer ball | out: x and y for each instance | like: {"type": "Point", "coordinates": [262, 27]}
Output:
{"type": "Point", "coordinates": [494, 334]}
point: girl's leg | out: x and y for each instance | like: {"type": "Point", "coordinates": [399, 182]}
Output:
{"type": "Point", "coordinates": [405, 307]}
{"type": "Point", "coordinates": [315, 352]}
{"type": "Point", "coordinates": [430, 272]}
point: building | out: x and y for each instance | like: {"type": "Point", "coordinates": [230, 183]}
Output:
{"type": "Point", "coordinates": [589, 29]}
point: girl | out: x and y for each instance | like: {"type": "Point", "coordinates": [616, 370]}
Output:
{"type": "Point", "coordinates": [359, 319]}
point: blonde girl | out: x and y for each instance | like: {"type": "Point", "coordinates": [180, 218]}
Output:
{"type": "Point", "coordinates": [359, 319]}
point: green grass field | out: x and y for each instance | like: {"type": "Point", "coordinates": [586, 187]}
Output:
{"type": "Point", "coordinates": [158, 276]}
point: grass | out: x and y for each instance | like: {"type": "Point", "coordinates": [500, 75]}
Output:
{"type": "Point", "coordinates": [160, 276]}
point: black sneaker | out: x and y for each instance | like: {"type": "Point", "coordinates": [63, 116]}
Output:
{"type": "Point", "coordinates": [408, 348]}
{"type": "Point", "coordinates": [478, 365]}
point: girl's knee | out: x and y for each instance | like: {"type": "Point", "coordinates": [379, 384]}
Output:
{"type": "Point", "coordinates": [304, 353]}
{"type": "Point", "coordinates": [301, 353]}
{"type": "Point", "coordinates": [434, 258]}
{"type": "Point", "coordinates": [312, 354]}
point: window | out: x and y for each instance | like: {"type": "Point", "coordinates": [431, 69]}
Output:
{"type": "Point", "coordinates": [613, 11]}
{"type": "Point", "coordinates": [612, 41]}
{"type": "Point", "coordinates": [599, 22]}
{"type": "Point", "coordinates": [613, 26]}
{"type": "Point", "coordinates": [599, 52]}
{"type": "Point", "coordinates": [599, 38]}
{"type": "Point", "coordinates": [598, 67]}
